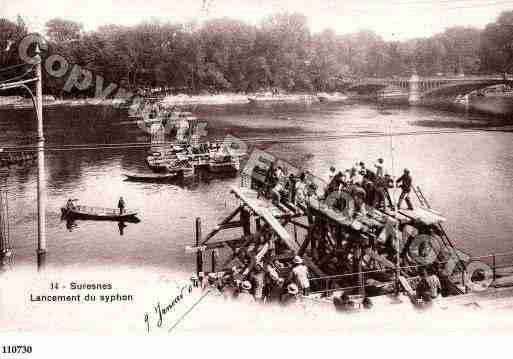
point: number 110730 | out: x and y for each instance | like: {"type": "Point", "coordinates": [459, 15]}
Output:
{"type": "Point", "coordinates": [16, 349]}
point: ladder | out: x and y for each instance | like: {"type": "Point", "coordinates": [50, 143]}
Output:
{"type": "Point", "coordinates": [443, 235]}
{"type": "Point", "coordinates": [424, 203]}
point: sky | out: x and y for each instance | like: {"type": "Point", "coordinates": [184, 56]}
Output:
{"type": "Point", "coordinates": [392, 19]}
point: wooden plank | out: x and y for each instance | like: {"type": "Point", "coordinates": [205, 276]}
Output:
{"type": "Point", "coordinates": [219, 227]}
{"type": "Point", "coordinates": [385, 262]}
{"type": "Point", "coordinates": [400, 217]}
{"type": "Point", "coordinates": [249, 197]}
{"type": "Point", "coordinates": [424, 215]}
{"type": "Point", "coordinates": [407, 287]}
{"type": "Point", "coordinates": [215, 245]}
{"type": "Point", "coordinates": [315, 205]}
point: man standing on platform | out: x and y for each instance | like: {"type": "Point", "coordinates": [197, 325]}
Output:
{"type": "Point", "coordinates": [405, 182]}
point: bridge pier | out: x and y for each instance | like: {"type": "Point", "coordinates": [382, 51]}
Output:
{"type": "Point", "coordinates": [414, 89]}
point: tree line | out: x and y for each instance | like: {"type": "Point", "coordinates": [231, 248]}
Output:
{"type": "Point", "coordinates": [281, 52]}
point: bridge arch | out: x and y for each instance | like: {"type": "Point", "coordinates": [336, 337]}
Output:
{"type": "Point", "coordinates": [451, 90]}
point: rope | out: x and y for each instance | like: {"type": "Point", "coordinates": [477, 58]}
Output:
{"type": "Point", "coordinates": [254, 140]}
{"type": "Point", "coordinates": [11, 67]}
{"type": "Point", "coordinates": [16, 78]}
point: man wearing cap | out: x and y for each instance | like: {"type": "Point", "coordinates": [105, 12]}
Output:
{"type": "Point", "coordinates": [299, 275]}
{"type": "Point", "coordinates": [405, 182]}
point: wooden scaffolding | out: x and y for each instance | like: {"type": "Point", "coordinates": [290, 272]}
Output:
{"type": "Point", "coordinates": [321, 236]}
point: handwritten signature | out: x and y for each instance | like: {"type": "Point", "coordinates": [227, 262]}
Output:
{"type": "Point", "coordinates": [161, 310]}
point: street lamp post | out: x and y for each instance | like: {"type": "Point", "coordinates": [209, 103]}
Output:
{"type": "Point", "coordinates": [41, 175]}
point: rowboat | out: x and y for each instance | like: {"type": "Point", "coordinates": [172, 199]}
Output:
{"type": "Point", "coordinates": [98, 213]}
{"type": "Point", "coordinates": [152, 177]}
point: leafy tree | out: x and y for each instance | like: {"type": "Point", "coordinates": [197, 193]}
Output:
{"type": "Point", "coordinates": [496, 51]}
{"type": "Point", "coordinates": [60, 30]}
{"type": "Point", "coordinates": [11, 33]}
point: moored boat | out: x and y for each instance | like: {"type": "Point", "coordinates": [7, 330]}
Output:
{"type": "Point", "coordinates": [333, 97]}
{"type": "Point", "coordinates": [152, 177]}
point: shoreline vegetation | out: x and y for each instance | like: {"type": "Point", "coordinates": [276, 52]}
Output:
{"type": "Point", "coordinates": [183, 99]}
{"type": "Point", "coordinates": [224, 55]}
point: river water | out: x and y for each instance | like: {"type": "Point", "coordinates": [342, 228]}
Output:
{"type": "Point", "coordinates": [466, 175]}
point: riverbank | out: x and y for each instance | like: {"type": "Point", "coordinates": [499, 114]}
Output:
{"type": "Point", "coordinates": [48, 101]}
{"type": "Point", "coordinates": [182, 100]}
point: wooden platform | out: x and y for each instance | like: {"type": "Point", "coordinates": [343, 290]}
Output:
{"type": "Point", "coordinates": [267, 211]}
{"type": "Point", "coordinates": [423, 215]}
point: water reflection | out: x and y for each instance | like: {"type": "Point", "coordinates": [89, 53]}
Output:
{"type": "Point", "coordinates": [456, 172]}
{"type": "Point", "coordinates": [121, 227]}
{"type": "Point", "coordinates": [71, 224]}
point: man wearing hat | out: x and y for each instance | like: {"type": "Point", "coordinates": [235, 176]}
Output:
{"type": "Point", "coordinates": [380, 170]}
{"type": "Point", "coordinates": [245, 292]}
{"type": "Point", "coordinates": [299, 275]}
{"type": "Point", "coordinates": [291, 296]}
{"type": "Point", "coordinates": [405, 182]}
{"type": "Point", "coordinates": [258, 279]}
{"type": "Point", "coordinates": [195, 280]}
{"type": "Point", "coordinates": [429, 287]}
{"type": "Point", "coordinates": [331, 174]}
{"type": "Point", "coordinates": [212, 277]}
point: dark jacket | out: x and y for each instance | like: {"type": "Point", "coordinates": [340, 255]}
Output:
{"type": "Point", "coordinates": [405, 181]}
{"type": "Point", "coordinates": [121, 204]}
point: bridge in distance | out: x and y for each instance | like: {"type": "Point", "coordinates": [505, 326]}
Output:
{"type": "Point", "coordinates": [418, 89]}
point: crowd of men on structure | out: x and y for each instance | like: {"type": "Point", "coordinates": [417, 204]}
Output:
{"type": "Point", "coordinates": [271, 280]}
{"type": "Point", "coordinates": [368, 187]}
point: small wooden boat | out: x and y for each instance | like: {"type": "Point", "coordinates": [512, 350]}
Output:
{"type": "Point", "coordinates": [98, 213]}
{"type": "Point", "coordinates": [152, 177]}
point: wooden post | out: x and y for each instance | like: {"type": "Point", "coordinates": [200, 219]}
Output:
{"type": "Point", "coordinates": [3, 230]}
{"type": "Point", "coordinates": [463, 280]}
{"type": "Point", "coordinates": [41, 180]}
{"type": "Point", "coordinates": [493, 268]}
{"type": "Point", "coordinates": [214, 255]}
{"type": "Point", "coordinates": [199, 254]}
{"type": "Point", "coordinates": [358, 258]}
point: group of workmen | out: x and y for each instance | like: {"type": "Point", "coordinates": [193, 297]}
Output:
{"type": "Point", "coordinates": [368, 187]}
{"type": "Point", "coordinates": [263, 283]}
